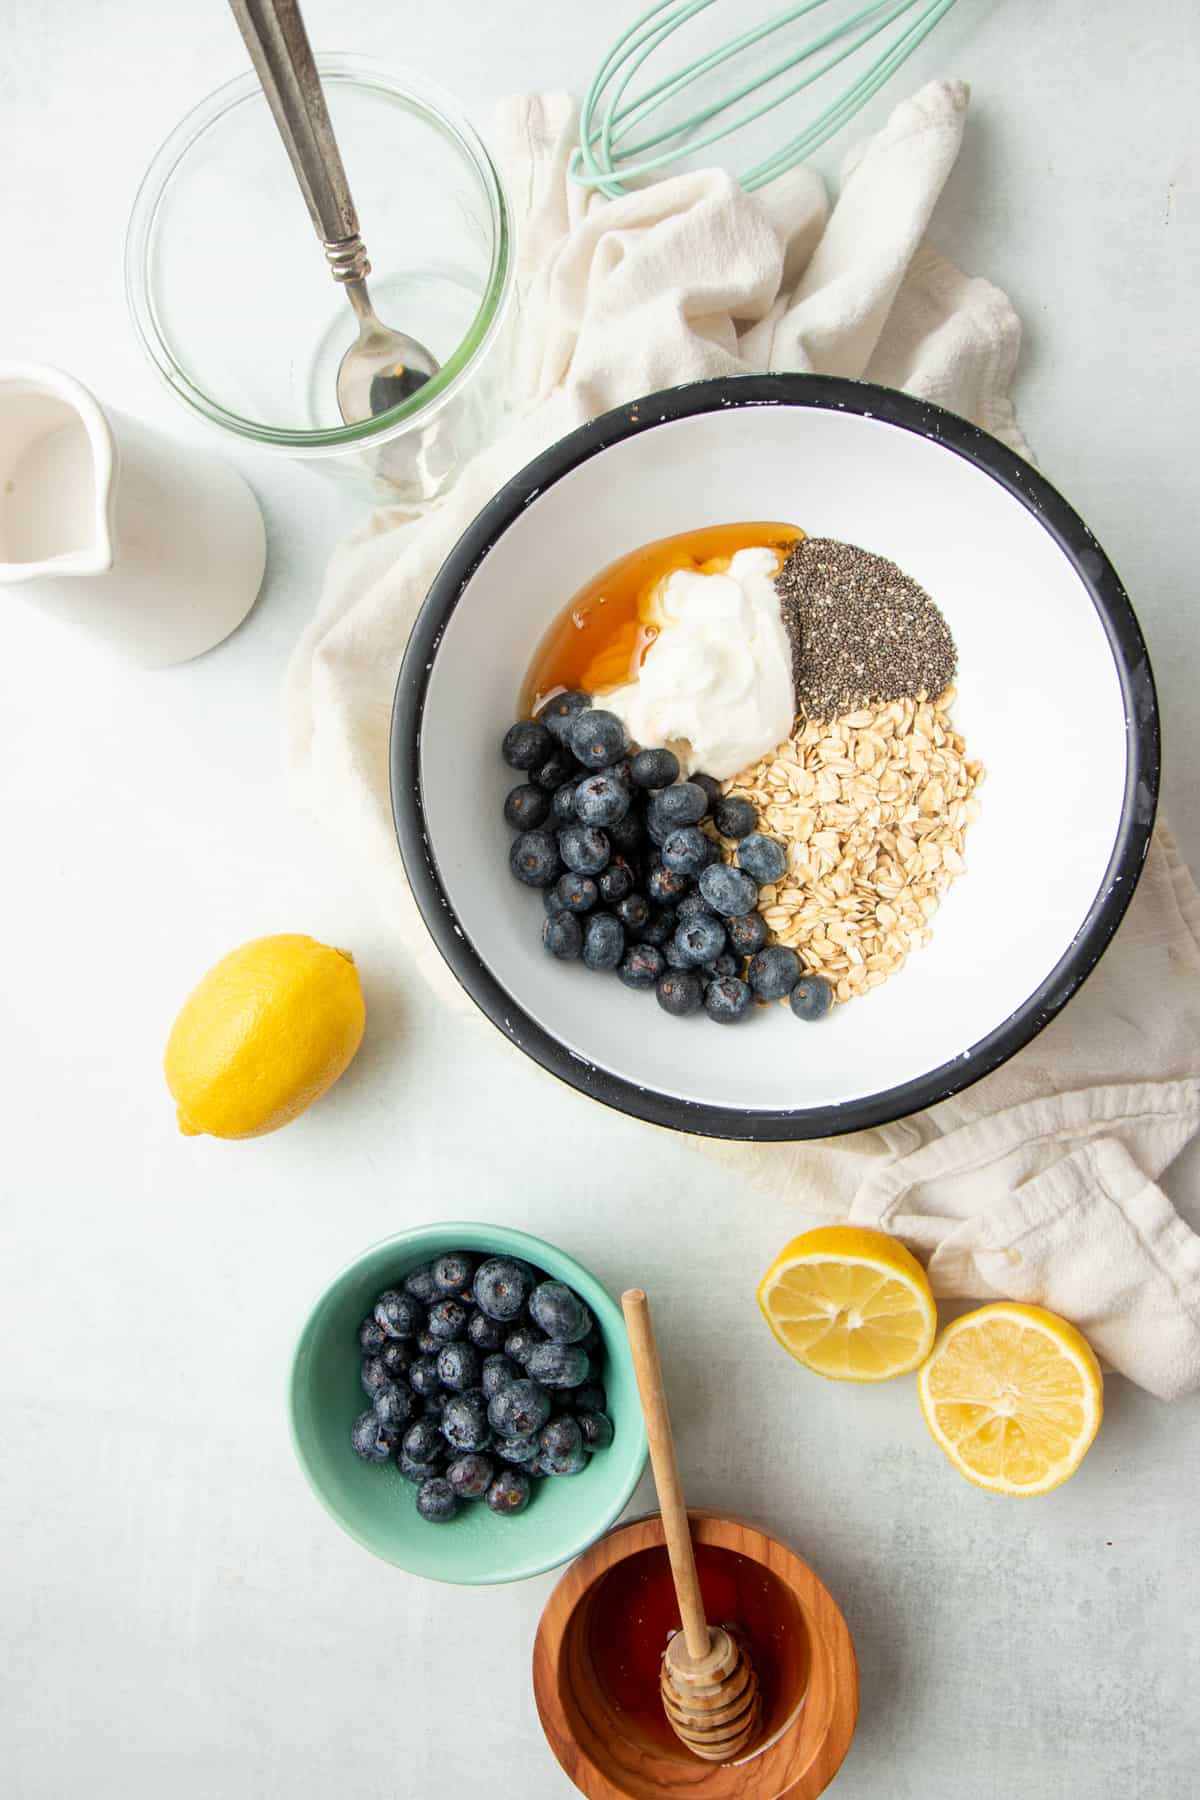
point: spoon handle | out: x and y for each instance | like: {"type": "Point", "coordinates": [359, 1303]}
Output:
{"type": "Point", "coordinates": [283, 60]}
{"type": "Point", "coordinates": [663, 1461]}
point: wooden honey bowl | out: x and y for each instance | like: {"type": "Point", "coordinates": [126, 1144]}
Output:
{"type": "Point", "coordinates": [595, 1666]}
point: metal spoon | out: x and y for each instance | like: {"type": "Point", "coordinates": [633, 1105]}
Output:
{"type": "Point", "coordinates": [382, 367]}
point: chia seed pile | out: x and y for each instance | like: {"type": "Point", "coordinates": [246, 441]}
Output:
{"type": "Point", "coordinates": [862, 631]}
{"type": "Point", "coordinates": [483, 1376]}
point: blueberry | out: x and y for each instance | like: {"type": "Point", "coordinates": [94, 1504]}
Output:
{"type": "Point", "coordinates": [414, 1471]}
{"type": "Point", "coordinates": [665, 884]}
{"type": "Point", "coordinates": [615, 882]}
{"type": "Point", "coordinates": [498, 1370]}
{"type": "Point", "coordinates": [517, 1449]}
{"type": "Point", "coordinates": [641, 966]}
{"type": "Point", "coordinates": [727, 890]}
{"type": "Point", "coordinates": [597, 1430]}
{"type": "Point", "coordinates": [421, 1285]}
{"type": "Point", "coordinates": [594, 1340]}
{"type": "Point", "coordinates": [763, 858]}
{"type": "Point", "coordinates": [526, 744]}
{"type": "Point", "coordinates": [557, 771]}
{"type": "Point", "coordinates": [427, 1344]}
{"type": "Point", "coordinates": [683, 804]}
{"type": "Point", "coordinates": [396, 1356]}
{"type": "Point", "coordinates": [711, 786]}
{"type": "Point", "coordinates": [654, 768]}
{"type": "Point", "coordinates": [811, 998]}
{"type": "Point", "coordinates": [423, 1442]}
{"type": "Point", "coordinates": [622, 772]}
{"type": "Point", "coordinates": [458, 1367]}
{"type": "Point", "coordinates": [734, 817]}
{"type": "Point", "coordinates": [680, 993]}
{"type": "Point", "coordinates": [394, 1405]}
{"type": "Point", "coordinates": [699, 938]}
{"type": "Point", "coordinates": [398, 1315]}
{"type": "Point", "coordinates": [747, 932]}
{"type": "Point", "coordinates": [686, 852]}
{"type": "Point", "coordinates": [558, 1365]}
{"type": "Point", "coordinates": [690, 904]}
{"type": "Point", "coordinates": [576, 893]}
{"type": "Point", "coordinates": [589, 1397]}
{"type": "Point", "coordinates": [727, 999]}
{"type": "Point", "coordinates": [525, 808]}
{"type": "Point", "coordinates": [562, 937]}
{"type": "Point", "coordinates": [521, 1408]}
{"type": "Point", "coordinates": [452, 1271]}
{"type": "Point", "coordinates": [725, 964]}
{"type": "Point", "coordinates": [434, 1405]}
{"type": "Point", "coordinates": [556, 715]}
{"type": "Point", "coordinates": [372, 1439]}
{"type": "Point", "coordinates": [659, 928]}
{"type": "Point", "coordinates": [423, 1377]}
{"type": "Point", "coordinates": [465, 1421]}
{"type": "Point", "coordinates": [509, 1493]}
{"type": "Point", "coordinates": [485, 1333]}
{"type": "Point", "coordinates": [371, 1336]}
{"type": "Point", "coordinates": [633, 911]}
{"type": "Point", "coordinates": [584, 848]}
{"type": "Point", "coordinates": [436, 1500]}
{"type": "Point", "coordinates": [603, 941]}
{"type": "Point", "coordinates": [597, 738]}
{"type": "Point", "coordinates": [448, 1319]}
{"type": "Point", "coordinates": [520, 1342]}
{"type": "Point", "coordinates": [627, 835]}
{"type": "Point", "coordinates": [774, 972]}
{"type": "Point", "coordinates": [601, 799]}
{"type": "Point", "coordinates": [562, 805]}
{"type": "Point", "coordinates": [470, 1476]}
{"type": "Point", "coordinates": [559, 1312]}
{"type": "Point", "coordinates": [561, 1436]}
{"type": "Point", "coordinates": [572, 1463]}
{"type": "Point", "coordinates": [534, 859]}
{"type": "Point", "coordinates": [502, 1286]}
{"type": "Point", "coordinates": [674, 958]}
{"type": "Point", "coordinates": [374, 1374]}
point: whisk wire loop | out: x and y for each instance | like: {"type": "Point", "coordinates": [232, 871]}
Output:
{"type": "Point", "coordinates": [605, 160]}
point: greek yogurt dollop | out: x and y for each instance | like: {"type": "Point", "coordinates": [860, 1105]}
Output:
{"type": "Point", "coordinates": [715, 686]}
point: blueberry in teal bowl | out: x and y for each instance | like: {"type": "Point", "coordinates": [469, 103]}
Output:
{"type": "Point", "coordinates": [398, 1446]}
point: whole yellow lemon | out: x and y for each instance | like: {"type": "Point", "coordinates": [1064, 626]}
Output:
{"type": "Point", "coordinates": [266, 1032]}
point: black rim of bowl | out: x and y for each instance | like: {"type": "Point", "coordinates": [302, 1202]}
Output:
{"type": "Point", "coordinates": [1142, 765]}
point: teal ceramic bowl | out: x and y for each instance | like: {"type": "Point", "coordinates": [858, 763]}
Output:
{"type": "Point", "coordinates": [376, 1505]}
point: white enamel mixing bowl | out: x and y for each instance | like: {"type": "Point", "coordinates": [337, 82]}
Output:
{"type": "Point", "coordinates": [1055, 696]}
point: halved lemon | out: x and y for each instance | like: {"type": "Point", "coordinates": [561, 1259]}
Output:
{"type": "Point", "coordinates": [1013, 1394]}
{"type": "Point", "coordinates": [850, 1303]}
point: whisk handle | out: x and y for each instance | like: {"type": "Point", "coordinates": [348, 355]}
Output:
{"type": "Point", "coordinates": [663, 1461]}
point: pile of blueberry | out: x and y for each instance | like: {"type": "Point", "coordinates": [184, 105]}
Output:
{"type": "Point", "coordinates": [482, 1377]}
{"type": "Point", "coordinates": [631, 882]}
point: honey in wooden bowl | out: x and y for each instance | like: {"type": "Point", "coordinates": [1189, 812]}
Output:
{"type": "Point", "coordinates": [634, 1612]}
{"type": "Point", "coordinates": [599, 638]}
{"type": "Point", "coordinates": [596, 1666]}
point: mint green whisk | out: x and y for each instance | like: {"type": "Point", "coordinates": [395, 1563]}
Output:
{"type": "Point", "coordinates": [606, 160]}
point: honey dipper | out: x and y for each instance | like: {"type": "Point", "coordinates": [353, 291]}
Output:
{"type": "Point", "coordinates": [709, 1688]}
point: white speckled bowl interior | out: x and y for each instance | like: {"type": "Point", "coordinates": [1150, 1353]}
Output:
{"type": "Point", "coordinates": [1055, 697]}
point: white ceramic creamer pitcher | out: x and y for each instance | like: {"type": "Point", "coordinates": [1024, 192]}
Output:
{"type": "Point", "coordinates": [154, 548]}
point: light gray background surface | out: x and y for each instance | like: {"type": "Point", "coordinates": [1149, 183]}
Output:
{"type": "Point", "coordinates": [178, 1617]}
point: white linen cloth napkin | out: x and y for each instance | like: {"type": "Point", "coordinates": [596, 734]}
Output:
{"type": "Point", "coordinates": [1039, 1183]}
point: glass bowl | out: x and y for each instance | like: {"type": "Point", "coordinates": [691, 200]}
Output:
{"type": "Point", "coordinates": [234, 304]}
